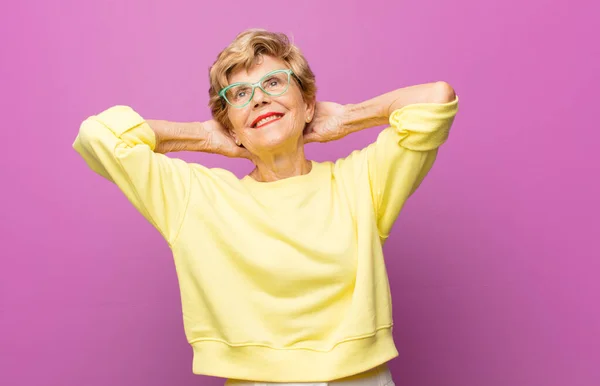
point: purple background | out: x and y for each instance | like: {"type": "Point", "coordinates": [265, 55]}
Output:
{"type": "Point", "coordinates": [494, 263]}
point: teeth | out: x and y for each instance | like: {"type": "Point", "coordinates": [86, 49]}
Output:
{"type": "Point", "coordinates": [265, 120]}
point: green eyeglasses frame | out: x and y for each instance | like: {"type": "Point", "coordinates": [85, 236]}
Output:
{"type": "Point", "coordinates": [259, 85]}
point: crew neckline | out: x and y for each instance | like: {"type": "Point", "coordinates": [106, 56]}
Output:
{"type": "Point", "coordinates": [316, 169]}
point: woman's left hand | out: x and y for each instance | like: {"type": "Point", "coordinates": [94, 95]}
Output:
{"type": "Point", "coordinates": [327, 124]}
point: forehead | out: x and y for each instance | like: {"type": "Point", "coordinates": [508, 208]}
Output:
{"type": "Point", "coordinates": [263, 65]}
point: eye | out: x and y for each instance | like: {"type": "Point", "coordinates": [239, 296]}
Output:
{"type": "Point", "coordinates": [272, 82]}
{"type": "Point", "coordinates": [239, 93]}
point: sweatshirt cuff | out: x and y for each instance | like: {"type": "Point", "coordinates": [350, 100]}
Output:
{"type": "Point", "coordinates": [127, 125]}
{"type": "Point", "coordinates": [424, 126]}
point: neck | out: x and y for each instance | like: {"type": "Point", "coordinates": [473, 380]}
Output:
{"type": "Point", "coordinates": [273, 167]}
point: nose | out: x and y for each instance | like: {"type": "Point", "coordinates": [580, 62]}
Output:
{"type": "Point", "coordinates": [260, 97]}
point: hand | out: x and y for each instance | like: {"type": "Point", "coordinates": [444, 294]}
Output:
{"type": "Point", "coordinates": [220, 141]}
{"type": "Point", "coordinates": [327, 124]}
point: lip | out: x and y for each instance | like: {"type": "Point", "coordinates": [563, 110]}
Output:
{"type": "Point", "coordinates": [266, 115]}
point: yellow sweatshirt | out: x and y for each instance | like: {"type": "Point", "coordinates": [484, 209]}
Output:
{"type": "Point", "coordinates": [280, 281]}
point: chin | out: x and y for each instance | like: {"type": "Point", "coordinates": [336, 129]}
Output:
{"type": "Point", "coordinates": [274, 141]}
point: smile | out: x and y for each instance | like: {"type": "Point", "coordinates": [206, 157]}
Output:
{"type": "Point", "coordinates": [266, 120]}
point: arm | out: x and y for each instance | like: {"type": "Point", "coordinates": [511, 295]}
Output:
{"type": "Point", "coordinates": [208, 137]}
{"type": "Point", "coordinates": [124, 148]}
{"type": "Point", "coordinates": [420, 118]}
{"type": "Point", "coordinates": [120, 145]}
{"type": "Point", "coordinates": [334, 121]}
{"type": "Point", "coordinates": [177, 136]}
{"type": "Point", "coordinates": [377, 111]}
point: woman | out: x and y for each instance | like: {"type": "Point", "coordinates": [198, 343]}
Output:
{"type": "Point", "coordinates": [281, 272]}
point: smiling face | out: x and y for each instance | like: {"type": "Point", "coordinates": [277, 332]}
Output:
{"type": "Point", "coordinates": [269, 124]}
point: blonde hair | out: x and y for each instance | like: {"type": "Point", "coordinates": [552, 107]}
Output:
{"type": "Point", "coordinates": [245, 50]}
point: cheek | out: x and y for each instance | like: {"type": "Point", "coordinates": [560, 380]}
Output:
{"type": "Point", "coordinates": [294, 104]}
{"type": "Point", "coordinates": [298, 104]}
{"type": "Point", "coordinates": [237, 119]}
{"type": "Point", "coordinates": [297, 111]}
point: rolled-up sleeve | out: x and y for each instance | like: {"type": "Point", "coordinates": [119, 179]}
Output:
{"type": "Point", "coordinates": [119, 145]}
{"type": "Point", "coordinates": [401, 157]}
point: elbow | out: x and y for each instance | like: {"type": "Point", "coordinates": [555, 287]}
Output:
{"type": "Point", "coordinates": [90, 136]}
{"type": "Point", "coordinates": [442, 92]}
{"type": "Point", "coordinates": [85, 134]}
{"type": "Point", "coordinates": [82, 137]}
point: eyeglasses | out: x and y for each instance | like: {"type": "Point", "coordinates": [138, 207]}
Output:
{"type": "Point", "coordinates": [274, 83]}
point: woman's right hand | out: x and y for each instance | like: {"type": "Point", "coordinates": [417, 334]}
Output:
{"type": "Point", "coordinates": [219, 141]}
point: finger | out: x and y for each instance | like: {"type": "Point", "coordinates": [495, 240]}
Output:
{"type": "Point", "coordinates": [243, 153]}
{"type": "Point", "coordinates": [310, 137]}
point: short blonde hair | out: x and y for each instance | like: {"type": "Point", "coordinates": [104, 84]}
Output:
{"type": "Point", "coordinates": [245, 50]}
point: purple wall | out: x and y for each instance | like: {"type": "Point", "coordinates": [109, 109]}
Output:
{"type": "Point", "coordinates": [494, 263]}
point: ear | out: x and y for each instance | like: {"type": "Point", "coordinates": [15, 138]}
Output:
{"type": "Point", "coordinates": [234, 136]}
{"type": "Point", "coordinates": [310, 109]}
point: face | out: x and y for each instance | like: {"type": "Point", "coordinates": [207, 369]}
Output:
{"type": "Point", "coordinates": [283, 131]}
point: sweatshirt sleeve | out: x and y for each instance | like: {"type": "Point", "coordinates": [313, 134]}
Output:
{"type": "Point", "coordinates": [400, 158]}
{"type": "Point", "coordinates": [119, 145]}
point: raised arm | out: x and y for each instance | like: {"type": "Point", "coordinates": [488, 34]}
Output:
{"type": "Point", "coordinates": [377, 111]}
{"type": "Point", "coordinates": [121, 146]}
{"type": "Point", "coordinates": [208, 137]}
{"type": "Point", "coordinates": [420, 118]}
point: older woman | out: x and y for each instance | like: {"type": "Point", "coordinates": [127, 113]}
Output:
{"type": "Point", "coordinates": [281, 272]}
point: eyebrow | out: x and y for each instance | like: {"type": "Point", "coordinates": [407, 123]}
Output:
{"type": "Point", "coordinates": [248, 82]}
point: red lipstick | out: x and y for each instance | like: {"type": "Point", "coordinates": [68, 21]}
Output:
{"type": "Point", "coordinates": [266, 115]}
